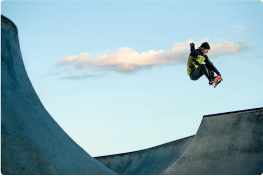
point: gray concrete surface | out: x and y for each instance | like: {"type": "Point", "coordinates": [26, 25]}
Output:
{"type": "Point", "coordinates": [31, 141]}
{"type": "Point", "coordinates": [150, 161]}
{"type": "Point", "coordinates": [227, 143]}
{"type": "Point", "coordinates": [230, 143]}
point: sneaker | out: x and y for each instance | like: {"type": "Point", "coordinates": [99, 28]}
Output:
{"type": "Point", "coordinates": [211, 82]}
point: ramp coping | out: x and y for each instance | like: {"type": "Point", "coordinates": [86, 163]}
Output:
{"type": "Point", "coordinates": [233, 112]}
{"type": "Point", "coordinates": [10, 21]}
{"type": "Point", "coordinates": [143, 149]}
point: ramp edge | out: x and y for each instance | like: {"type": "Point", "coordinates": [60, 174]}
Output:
{"type": "Point", "coordinates": [143, 149]}
{"type": "Point", "coordinates": [8, 20]}
{"type": "Point", "coordinates": [224, 113]}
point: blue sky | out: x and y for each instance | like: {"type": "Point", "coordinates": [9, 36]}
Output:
{"type": "Point", "coordinates": [113, 73]}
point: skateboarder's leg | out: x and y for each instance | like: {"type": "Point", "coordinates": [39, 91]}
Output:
{"type": "Point", "coordinates": [200, 71]}
{"type": "Point", "coordinates": [211, 73]}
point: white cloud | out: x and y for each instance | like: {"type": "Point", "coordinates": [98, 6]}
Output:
{"type": "Point", "coordinates": [82, 76]}
{"type": "Point", "coordinates": [127, 60]}
{"type": "Point", "coordinates": [239, 26]}
{"type": "Point", "coordinates": [228, 48]}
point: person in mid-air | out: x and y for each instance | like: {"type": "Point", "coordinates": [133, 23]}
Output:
{"type": "Point", "coordinates": [196, 69]}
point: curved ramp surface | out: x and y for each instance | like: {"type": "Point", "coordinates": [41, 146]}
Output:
{"type": "Point", "coordinates": [229, 143]}
{"type": "Point", "coordinates": [150, 161]}
{"type": "Point", "coordinates": [31, 141]}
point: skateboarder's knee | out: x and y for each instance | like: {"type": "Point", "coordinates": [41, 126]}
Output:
{"type": "Point", "coordinates": [203, 66]}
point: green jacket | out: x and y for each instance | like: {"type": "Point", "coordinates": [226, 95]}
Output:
{"type": "Point", "coordinates": [194, 62]}
{"type": "Point", "coordinates": [196, 58]}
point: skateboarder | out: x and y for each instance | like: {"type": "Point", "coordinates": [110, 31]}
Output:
{"type": "Point", "coordinates": [196, 69]}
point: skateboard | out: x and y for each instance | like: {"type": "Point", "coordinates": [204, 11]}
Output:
{"type": "Point", "coordinates": [217, 81]}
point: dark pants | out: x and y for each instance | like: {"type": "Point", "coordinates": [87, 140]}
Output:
{"type": "Point", "coordinates": [200, 71]}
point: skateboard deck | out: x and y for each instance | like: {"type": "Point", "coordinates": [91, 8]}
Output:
{"type": "Point", "coordinates": [217, 81]}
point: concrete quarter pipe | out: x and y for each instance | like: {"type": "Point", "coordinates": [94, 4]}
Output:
{"type": "Point", "coordinates": [31, 141]}
{"type": "Point", "coordinates": [227, 143]}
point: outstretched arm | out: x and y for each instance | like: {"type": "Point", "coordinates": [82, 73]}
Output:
{"type": "Point", "coordinates": [194, 52]}
{"type": "Point", "coordinates": [211, 65]}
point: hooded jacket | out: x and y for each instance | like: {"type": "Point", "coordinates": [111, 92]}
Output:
{"type": "Point", "coordinates": [196, 58]}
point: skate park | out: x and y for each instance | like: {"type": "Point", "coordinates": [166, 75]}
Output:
{"type": "Point", "coordinates": [33, 143]}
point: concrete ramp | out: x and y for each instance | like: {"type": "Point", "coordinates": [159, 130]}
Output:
{"type": "Point", "coordinates": [150, 161]}
{"type": "Point", "coordinates": [31, 141]}
{"type": "Point", "coordinates": [229, 143]}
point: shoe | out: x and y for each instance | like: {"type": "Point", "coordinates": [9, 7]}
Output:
{"type": "Point", "coordinates": [211, 82]}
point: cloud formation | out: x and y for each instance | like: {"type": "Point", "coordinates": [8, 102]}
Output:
{"type": "Point", "coordinates": [80, 77]}
{"type": "Point", "coordinates": [126, 60]}
{"type": "Point", "coordinates": [239, 26]}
